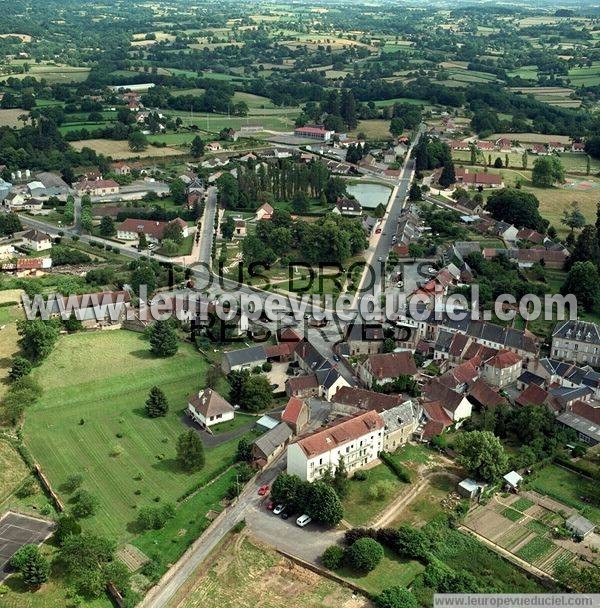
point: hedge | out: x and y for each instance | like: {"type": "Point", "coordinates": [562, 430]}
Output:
{"type": "Point", "coordinates": [401, 472]}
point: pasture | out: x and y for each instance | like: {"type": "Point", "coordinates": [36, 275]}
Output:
{"type": "Point", "coordinates": [91, 420]}
{"type": "Point", "coordinates": [120, 150]}
{"type": "Point", "coordinates": [10, 313]}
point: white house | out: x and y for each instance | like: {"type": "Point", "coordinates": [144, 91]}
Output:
{"type": "Point", "coordinates": [36, 240]}
{"type": "Point", "coordinates": [358, 439]}
{"type": "Point", "coordinates": [264, 212]}
{"type": "Point", "coordinates": [97, 187]}
{"type": "Point", "coordinates": [503, 369]}
{"type": "Point", "coordinates": [208, 408]}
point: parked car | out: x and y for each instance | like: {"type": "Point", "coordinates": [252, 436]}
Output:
{"type": "Point", "coordinates": [285, 515]}
{"type": "Point", "coordinates": [431, 270]}
{"type": "Point", "coordinates": [303, 520]}
{"type": "Point", "coordinates": [263, 490]}
{"type": "Point", "coordinates": [278, 509]}
{"type": "Point", "coordinates": [336, 358]}
{"type": "Point", "coordinates": [270, 505]}
{"type": "Point", "coordinates": [378, 231]}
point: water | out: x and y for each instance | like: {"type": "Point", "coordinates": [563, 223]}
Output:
{"type": "Point", "coordinates": [370, 195]}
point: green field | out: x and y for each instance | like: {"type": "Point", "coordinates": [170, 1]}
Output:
{"type": "Point", "coordinates": [95, 388]}
{"type": "Point", "coordinates": [566, 487]}
{"type": "Point", "coordinates": [537, 547]}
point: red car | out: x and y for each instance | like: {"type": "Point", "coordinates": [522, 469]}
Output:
{"type": "Point", "coordinates": [263, 490]}
{"type": "Point", "coordinates": [270, 505]}
{"type": "Point", "coordinates": [378, 231]}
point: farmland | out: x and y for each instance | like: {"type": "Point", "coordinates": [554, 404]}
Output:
{"type": "Point", "coordinates": [241, 570]}
{"type": "Point", "coordinates": [91, 421]}
{"type": "Point", "coordinates": [121, 150]}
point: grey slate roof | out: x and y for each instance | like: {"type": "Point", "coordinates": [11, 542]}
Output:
{"type": "Point", "coordinates": [271, 440]}
{"type": "Point", "coordinates": [245, 356]}
{"type": "Point", "coordinates": [581, 425]}
{"type": "Point", "coordinates": [581, 331]}
{"type": "Point", "coordinates": [402, 415]}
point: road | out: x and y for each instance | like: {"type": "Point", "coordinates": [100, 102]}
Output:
{"type": "Point", "coordinates": [208, 224]}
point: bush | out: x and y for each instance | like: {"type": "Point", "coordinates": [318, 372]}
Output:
{"type": "Point", "coordinates": [382, 489]}
{"type": "Point", "coordinates": [401, 472]}
{"type": "Point", "coordinates": [267, 367]}
{"type": "Point", "coordinates": [364, 555]}
{"type": "Point", "coordinates": [360, 475]}
{"type": "Point", "coordinates": [239, 526]}
{"type": "Point", "coordinates": [155, 518]}
{"type": "Point", "coordinates": [333, 557]}
{"type": "Point", "coordinates": [396, 597]}
{"type": "Point", "coordinates": [84, 504]}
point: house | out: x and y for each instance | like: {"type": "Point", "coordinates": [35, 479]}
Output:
{"type": "Point", "coordinates": [456, 406]}
{"type": "Point", "coordinates": [37, 240]}
{"type": "Point", "coordinates": [131, 228]}
{"type": "Point", "coordinates": [480, 393]}
{"type": "Point", "coordinates": [400, 422]}
{"type": "Point", "coordinates": [513, 480]}
{"type": "Point", "coordinates": [435, 420]}
{"type": "Point", "coordinates": [382, 368]}
{"type": "Point", "coordinates": [319, 133]}
{"type": "Point", "coordinates": [124, 168]}
{"type": "Point", "coordinates": [243, 358]}
{"type": "Point", "coordinates": [208, 408]}
{"type": "Point", "coordinates": [539, 150]}
{"type": "Point", "coordinates": [94, 309]}
{"type": "Point", "coordinates": [530, 236]}
{"type": "Point", "coordinates": [389, 156]}
{"type": "Point", "coordinates": [552, 258]}
{"type": "Point", "coordinates": [269, 445]}
{"type": "Point", "coordinates": [502, 369]}
{"type": "Point", "coordinates": [213, 146]}
{"type": "Point", "coordinates": [347, 206]}
{"type": "Point", "coordinates": [264, 212]}
{"type": "Point", "coordinates": [556, 146]}
{"type": "Point", "coordinates": [579, 526]}
{"type": "Point", "coordinates": [504, 144]}
{"type": "Point", "coordinates": [578, 147]}
{"type": "Point", "coordinates": [577, 341]}
{"type": "Point", "coordinates": [477, 179]}
{"type": "Point", "coordinates": [302, 386]}
{"type": "Point", "coordinates": [98, 187]}
{"type": "Point", "coordinates": [460, 145]}
{"type": "Point", "coordinates": [364, 338]}
{"type": "Point", "coordinates": [296, 414]}
{"type": "Point", "coordinates": [354, 399]}
{"type": "Point", "coordinates": [357, 439]}
{"type": "Point", "coordinates": [240, 229]}
{"type": "Point", "coordinates": [506, 231]}
{"type": "Point", "coordinates": [484, 145]}
{"type": "Point", "coordinates": [587, 431]}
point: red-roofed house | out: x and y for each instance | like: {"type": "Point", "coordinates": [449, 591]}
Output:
{"type": "Point", "coordinates": [319, 133]}
{"type": "Point", "coordinates": [504, 144]}
{"type": "Point", "coordinates": [485, 180]}
{"type": "Point", "coordinates": [296, 414]}
{"type": "Point", "coordinates": [97, 187]}
{"type": "Point", "coordinates": [456, 405]}
{"type": "Point", "coordinates": [437, 420]}
{"type": "Point", "coordinates": [264, 212]}
{"type": "Point", "coordinates": [482, 144]}
{"type": "Point", "coordinates": [386, 367]}
{"type": "Point", "coordinates": [577, 146]}
{"type": "Point", "coordinates": [532, 395]}
{"type": "Point", "coordinates": [358, 439]}
{"type": "Point", "coordinates": [503, 369]}
{"type": "Point", "coordinates": [131, 228]}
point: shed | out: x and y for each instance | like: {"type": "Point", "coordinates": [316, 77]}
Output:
{"type": "Point", "coordinates": [513, 479]}
{"type": "Point", "coordinates": [271, 444]}
{"type": "Point", "coordinates": [579, 525]}
{"type": "Point", "coordinates": [267, 422]}
{"type": "Point", "coordinates": [469, 488]}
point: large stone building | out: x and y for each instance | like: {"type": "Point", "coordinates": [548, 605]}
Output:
{"type": "Point", "coordinates": [577, 341]}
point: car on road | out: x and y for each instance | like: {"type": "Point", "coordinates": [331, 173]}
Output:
{"type": "Point", "coordinates": [303, 520]}
{"type": "Point", "coordinates": [278, 509]}
{"type": "Point", "coordinates": [270, 505]}
{"type": "Point", "coordinates": [379, 259]}
{"type": "Point", "coordinates": [431, 270]}
{"type": "Point", "coordinates": [400, 284]}
{"type": "Point", "coordinates": [336, 358]}
{"type": "Point", "coordinates": [263, 490]}
{"type": "Point", "coordinates": [274, 386]}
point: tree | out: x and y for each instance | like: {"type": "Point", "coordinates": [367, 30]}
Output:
{"type": "Point", "coordinates": [583, 282]}
{"type": "Point", "coordinates": [482, 454]}
{"type": "Point", "coordinates": [37, 338]}
{"type": "Point", "coordinates": [323, 504]}
{"type": "Point", "coordinates": [9, 224]}
{"type": "Point", "coordinates": [137, 141]}
{"type": "Point", "coordinates": [289, 490]}
{"type": "Point", "coordinates": [163, 339]}
{"type": "Point", "coordinates": [257, 393]}
{"type": "Point", "coordinates": [33, 566]}
{"type": "Point", "coordinates": [86, 220]}
{"type": "Point", "coordinates": [333, 557]}
{"type": "Point", "coordinates": [516, 207]}
{"type": "Point", "coordinates": [412, 543]}
{"type": "Point", "coordinates": [415, 193]}
{"type": "Point", "coordinates": [547, 170]}
{"type": "Point", "coordinates": [587, 247]}
{"type": "Point", "coordinates": [228, 228]}
{"type": "Point", "coordinates": [84, 504]}
{"type": "Point", "coordinates": [415, 251]}
{"type": "Point", "coordinates": [447, 177]}
{"type": "Point", "coordinates": [107, 226]}
{"type": "Point", "coordinates": [174, 232]}
{"type": "Point", "coordinates": [396, 126]}
{"type": "Point", "coordinates": [244, 450]}
{"type": "Point", "coordinates": [341, 484]}
{"type": "Point", "coordinates": [142, 241]}
{"type": "Point", "coordinates": [300, 202]}
{"type": "Point", "coordinates": [156, 404]}
{"type": "Point", "coordinates": [73, 482]}
{"type": "Point", "coordinates": [197, 147]}
{"type": "Point", "coordinates": [498, 163]}
{"type": "Point", "coordinates": [364, 554]}
{"type": "Point", "coordinates": [20, 367]}
{"type": "Point", "coordinates": [573, 218]}
{"type": "Point", "coordinates": [190, 451]}
{"type": "Point", "coordinates": [396, 597]}
{"type": "Point", "coordinates": [66, 526]}
{"type": "Point", "coordinates": [178, 191]}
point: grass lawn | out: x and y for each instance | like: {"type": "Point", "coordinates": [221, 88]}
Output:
{"type": "Point", "coordinates": [12, 470]}
{"type": "Point", "coordinates": [390, 571]}
{"type": "Point", "coordinates": [185, 247]}
{"type": "Point", "coordinates": [9, 315]}
{"type": "Point", "coordinates": [359, 506]}
{"type": "Point", "coordinates": [566, 487]}
{"type": "Point", "coordinates": [241, 573]}
{"type": "Point", "coordinates": [373, 129]}
{"type": "Point", "coordinates": [239, 421]}
{"type": "Point", "coordinates": [95, 386]}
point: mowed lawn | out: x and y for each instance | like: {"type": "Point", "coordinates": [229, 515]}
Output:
{"type": "Point", "coordinates": [91, 420]}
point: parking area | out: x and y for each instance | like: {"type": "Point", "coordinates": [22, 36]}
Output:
{"type": "Point", "coordinates": [17, 530]}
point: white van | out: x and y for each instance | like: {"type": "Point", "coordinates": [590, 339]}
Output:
{"type": "Point", "coordinates": [303, 520]}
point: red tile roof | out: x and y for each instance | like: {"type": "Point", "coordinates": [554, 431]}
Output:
{"type": "Point", "coordinates": [292, 410]}
{"type": "Point", "coordinates": [484, 394]}
{"type": "Point", "coordinates": [148, 227]}
{"type": "Point", "coordinates": [532, 395]}
{"type": "Point", "coordinates": [209, 403]}
{"type": "Point", "coordinates": [365, 399]}
{"type": "Point", "coordinates": [587, 411]}
{"type": "Point", "coordinates": [504, 359]}
{"type": "Point", "coordinates": [340, 433]}
{"type": "Point", "coordinates": [302, 383]}
{"type": "Point", "coordinates": [392, 365]}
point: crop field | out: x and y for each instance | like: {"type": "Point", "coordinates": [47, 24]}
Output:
{"type": "Point", "coordinates": [10, 118]}
{"type": "Point", "coordinates": [53, 74]}
{"type": "Point", "coordinates": [556, 96]}
{"type": "Point", "coordinates": [120, 149]}
{"type": "Point", "coordinates": [240, 571]}
{"type": "Point", "coordinates": [91, 420]}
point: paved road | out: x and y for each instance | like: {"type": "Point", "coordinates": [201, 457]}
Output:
{"type": "Point", "coordinates": [207, 230]}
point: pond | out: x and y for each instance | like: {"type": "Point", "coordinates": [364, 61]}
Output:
{"type": "Point", "coordinates": [369, 195]}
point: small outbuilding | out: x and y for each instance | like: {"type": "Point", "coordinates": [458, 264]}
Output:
{"type": "Point", "coordinates": [513, 480]}
{"type": "Point", "coordinates": [266, 423]}
{"type": "Point", "coordinates": [579, 526]}
{"type": "Point", "coordinates": [469, 488]}
{"type": "Point", "coordinates": [268, 446]}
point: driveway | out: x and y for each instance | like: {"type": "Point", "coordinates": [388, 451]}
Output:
{"type": "Point", "coordinates": [307, 543]}
{"type": "Point", "coordinates": [212, 441]}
